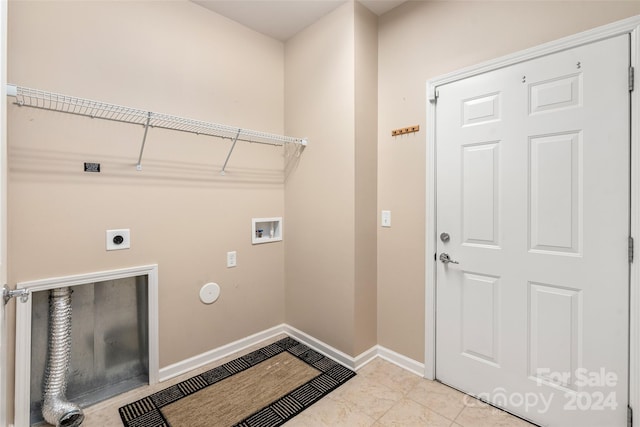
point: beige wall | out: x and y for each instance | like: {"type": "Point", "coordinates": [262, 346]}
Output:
{"type": "Point", "coordinates": [173, 57]}
{"type": "Point", "coordinates": [178, 58]}
{"type": "Point", "coordinates": [366, 177]}
{"type": "Point", "coordinates": [419, 41]}
{"type": "Point", "coordinates": [330, 96]}
{"type": "Point", "coordinates": [319, 203]}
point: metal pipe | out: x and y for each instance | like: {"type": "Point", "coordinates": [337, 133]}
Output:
{"type": "Point", "coordinates": [56, 409]}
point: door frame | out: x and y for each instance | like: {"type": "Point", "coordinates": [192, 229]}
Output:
{"type": "Point", "coordinates": [3, 205]}
{"type": "Point", "coordinates": [629, 26]}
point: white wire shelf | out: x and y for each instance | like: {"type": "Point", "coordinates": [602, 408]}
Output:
{"type": "Point", "coordinates": [44, 100]}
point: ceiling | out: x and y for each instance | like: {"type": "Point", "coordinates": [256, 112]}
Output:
{"type": "Point", "coordinates": [281, 19]}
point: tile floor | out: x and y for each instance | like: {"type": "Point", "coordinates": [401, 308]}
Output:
{"type": "Point", "coordinates": [382, 394]}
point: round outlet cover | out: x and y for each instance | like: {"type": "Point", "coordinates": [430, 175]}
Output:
{"type": "Point", "coordinates": [209, 293]}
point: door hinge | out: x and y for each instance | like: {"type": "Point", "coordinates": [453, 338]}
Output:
{"type": "Point", "coordinates": [631, 78]}
{"type": "Point", "coordinates": [631, 249]}
{"type": "Point", "coordinates": [629, 416]}
{"type": "Point", "coordinates": [433, 96]}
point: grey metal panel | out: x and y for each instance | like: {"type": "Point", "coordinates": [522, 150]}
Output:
{"type": "Point", "coordinates": [109, 341]}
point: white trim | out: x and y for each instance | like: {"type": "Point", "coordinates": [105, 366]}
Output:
{"type": "Point", "coordinates": [402, 361]}
{"type": "Point", "coordinates": [22, 395]}
{"type": "Point", "coordinates": [366, 357]}
{"type": "Point", "coordinates": [3, 210]}
{"type": "Point", "coordinates": [210, 356]}
{"type": "Point", "coordinates": [430, 239]}
{"type": "Point", "coordinates": [634, 271]}
{"type": "Point", "coordinates": [23, 327]}
{"type": "Point", "coordinates": [81, 279]}
{"type": "Point", "coordinates": [321, 347]}
{"type": "Point", "coordinates": [627, 26]}
{"type": "Point", "coordinates": [355, 363]}
{"type": "Point", "coordinates": [153, 320]}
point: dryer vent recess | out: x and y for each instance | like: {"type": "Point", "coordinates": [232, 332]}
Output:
{"type": "Point", "coordinates": [118, 239]}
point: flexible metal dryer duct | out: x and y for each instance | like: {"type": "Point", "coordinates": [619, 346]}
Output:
{"type": "Point", "coordinates": [56, 409]}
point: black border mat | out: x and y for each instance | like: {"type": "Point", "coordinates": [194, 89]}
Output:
{"type": "Point", "coordinates": [146, 411]}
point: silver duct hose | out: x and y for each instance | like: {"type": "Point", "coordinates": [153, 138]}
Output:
{"type": "Point", "coordinates": [56, 409]}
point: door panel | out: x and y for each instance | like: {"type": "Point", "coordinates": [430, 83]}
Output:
{"type": "Point", "coordinates": [555, 163]}
{"type": "Point", "coordinates": [554, 340]}
{"type": "Point", "coordinates": [480, 193]}
{"type": "Point", "coordinates": [480, 326]}
{"type": "Point", "coordinates": [533, 189]}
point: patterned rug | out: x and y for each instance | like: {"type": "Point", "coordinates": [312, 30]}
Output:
{"type": "Point", "coordinates": [264, 388]}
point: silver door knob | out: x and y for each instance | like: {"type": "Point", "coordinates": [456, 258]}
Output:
{"type": "Point", "coordinates": [444, 257]}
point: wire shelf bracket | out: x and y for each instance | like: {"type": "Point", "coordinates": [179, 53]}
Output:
{"type": "Point", "coordinates": [35, 98]}
{"type": "Point", "coordinates": [222, 172]}
{"type": "Point", "coordinates": [144, 139]}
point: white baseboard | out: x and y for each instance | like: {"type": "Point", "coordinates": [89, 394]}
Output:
{"type": "Point", "coordinates": [365, 357]}
{"type": "Point", "coordinates": [202, 359]}
{"type": "Point", "coordinates": [350, 362]}
{"type": "Point", "coordinates": [362, 359]}
{"type": "Point", "coordinates": [320, 346]}
{"type": "Point", "coordinates": [400, 360]}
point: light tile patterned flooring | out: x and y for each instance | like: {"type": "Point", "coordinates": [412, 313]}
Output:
{"type": "Point", "coordinates": [381, 395]}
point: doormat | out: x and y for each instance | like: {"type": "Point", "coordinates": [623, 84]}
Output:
{"type": "Point", "coordinates": [264, 388]}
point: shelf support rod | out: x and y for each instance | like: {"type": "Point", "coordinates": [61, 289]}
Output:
{"type": "Point", "coordinates": [144, 139]}
{"type": "Point", "coordinates": [8, 293]}
{"type": "Point", "coordinates": [230, 151]}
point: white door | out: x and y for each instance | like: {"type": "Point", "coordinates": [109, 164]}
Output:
{"type": "Point", "coordinates": [533, 192]}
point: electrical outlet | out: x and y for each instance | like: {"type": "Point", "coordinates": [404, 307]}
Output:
{"type": "Point", "coordinates": [118, 239]}
{"type": "Point", "coordinates": [232, 259]}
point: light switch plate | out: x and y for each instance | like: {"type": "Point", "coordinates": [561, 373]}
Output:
{"type": "Point", "coordinates": [386, 219]}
